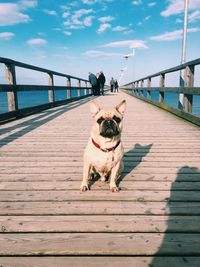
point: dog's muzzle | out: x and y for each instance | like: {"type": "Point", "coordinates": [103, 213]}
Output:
{"type": "Point", "coordinates": [109, 129]}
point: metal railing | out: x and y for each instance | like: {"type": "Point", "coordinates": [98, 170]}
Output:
{"type": "Point", "coordinates": [137, 89]}
{"type": "Point", "coordinates": [12, 88]}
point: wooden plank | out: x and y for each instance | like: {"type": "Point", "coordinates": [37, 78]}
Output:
{"type": "Point", "coordinates": [71, 195]}
{"type": "Point", "coordinates": [48, 158]}
{"type": "Point", "coordinates": [75, 164]}
{"type": "Point", "coordinates": [99, 185]}
{"type": "Point", "coordinates": [108, 261]}
{"type": "Point", "coordinates": [78, 170]}
{"type": "Point", "coordinates": [100, 244]}
{"type": "Point", "coordinates": [99, 208]}
{"type": "Point", "coordinates": [34, 177]}
{"type": "Point", "coordinates": [105, 223]}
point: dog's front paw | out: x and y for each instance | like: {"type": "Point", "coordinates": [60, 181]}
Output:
{"type": "Point", "coordinates": [84, 187]}
{"type": "Point", "coordinates": [114, 188]}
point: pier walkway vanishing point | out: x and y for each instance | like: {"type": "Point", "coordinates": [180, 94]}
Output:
{"type": "Point", "coordinates": [45, 221]}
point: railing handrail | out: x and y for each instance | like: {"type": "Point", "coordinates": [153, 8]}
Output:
{"type": "Point", "coordinates": [186, 88]}
{"type": "Point", "coordinates": [12, 88]}
{"type": "Point", "coordinates": [176, 68]}
{"type": "Point", "coordinates": [32, 67]}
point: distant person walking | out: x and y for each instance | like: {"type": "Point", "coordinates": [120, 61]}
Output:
{"type": "Point", "coordinates": [98, 83]}
{"type": "Point", "coordinates": [93, 80]}
{"type": "Point", "coordinates": [102, 81]}
{"type": "Point", "coordinates": [116, 86]}
{"type": "Point", "coordinates": [112, 83]}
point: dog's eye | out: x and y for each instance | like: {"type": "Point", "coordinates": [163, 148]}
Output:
{"type": "Point", "coordinates": [99, 121]}
{"type": "Point", "coordinates": [117, 119]}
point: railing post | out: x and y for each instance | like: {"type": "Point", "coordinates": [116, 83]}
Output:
{"type": "Point", "coordinates": [85, 90]}
{"type": "Point", "coordinates": [149, 86]}
{"type": "Point", "coordinates": [51, 92]}
{"type": "Point", "coordinates": [189, 82]}
{"type": "Point", "coordinates": [132, 88]}
{"type": "Point", "coordinates": [137, 90]}
{"type": "Point", "coordinates": [141, 88]}
{"type": "Point", "coordinates": [162, 84]}
{"type": "Point", "coordinates": [79, 88]}
{"type": "Point", "coordinates": [69, 95]}
{"type": "Point", "coordinates": [11, 79]}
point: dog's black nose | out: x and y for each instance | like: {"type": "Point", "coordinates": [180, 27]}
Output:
{"type": "Point", "coordinates": [108, 123]}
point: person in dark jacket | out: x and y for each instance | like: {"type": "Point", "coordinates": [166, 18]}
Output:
{"type": "Point", "coordinates": [116, 86]}
{"type": "Point", "coordinates": [93, 80]}
{"type": "Point", "coordinates": [98, 83]}
{"type": "Point", "coordinates": [112, 83]}
{"type": "Point", "coordinates": [102, 81]}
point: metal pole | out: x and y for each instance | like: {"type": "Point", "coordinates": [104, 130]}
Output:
{"type": "Point", "coordinates": [183, 57]}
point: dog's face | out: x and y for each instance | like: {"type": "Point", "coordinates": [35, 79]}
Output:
{"type": "Point", "coordinates": [108, 123]}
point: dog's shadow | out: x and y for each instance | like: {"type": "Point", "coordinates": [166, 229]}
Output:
{"type": "Point", "coordinates": [131, 160]}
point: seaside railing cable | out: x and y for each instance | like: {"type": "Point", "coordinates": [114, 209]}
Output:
{"type": "Point", "coordinates": [12, 88]}
{"type": "Point", "coordinates": [137, 89]}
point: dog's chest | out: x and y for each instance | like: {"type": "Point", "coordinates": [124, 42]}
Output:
{"type": "Point", "coordinates": [105, 162]}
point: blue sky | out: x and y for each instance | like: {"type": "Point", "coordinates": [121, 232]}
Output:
{"type": "Point", "coordinates": [76, 37]}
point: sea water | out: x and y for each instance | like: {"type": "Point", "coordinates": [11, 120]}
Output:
{"type": "Point", "coordinates": [34, 98]}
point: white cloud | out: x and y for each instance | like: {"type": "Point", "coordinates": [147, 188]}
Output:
{"type": "Point", "coordinates": [178, 20]}
{"type": "Point", "coordinates": [106, 19]}
{"type": "Point", "coordinates": [88, 21]}
{"type": "Point", "coordinates": [64, 7]}
{"type": "Point", "coordinates": [127, 43]}
{"type": "Point", "coordinates": [56, 29]}
{"type": "Point", "coordinates": [74, 4]}
{"type": "Point", "coordinates": [89, 2]}
{"type": "Point", "coordinates": [77, 19]}
{"type": "Point", "coordinates": [177, 7]}
{"type": "Point", "coordinates": [96, 53]}
{"type": "Point", "coordinates": [75, 27]}
{"type": "Point", "coordinates": [137, 2]}
{"type": "Point", "coordinates": [41, 34]}
{"type": "Point", "coordinates": [50, 12]}
{"type": "Point", "coordinates": [194, 16]}
{"type": "Point", "coordinates": [37, 42]}
{"type": "Point", "coordinates": [24, 4]}
{"type": "Point", "coordinates": [103, 27]}
{"type": "Point", "coordinates": [6, 35]}
{"type": "Point", "coordinates": [128, 32]}
{"type": "Point", "coordinates": [92, 2]}
{"type": "Point", "coordinates": [10, 14]}
{"type": "Point", "coordinates": [152, 4]}
{"type": "Point", "coordinates": [79, 13]}
{"type": "Point", "coordinates": [119, 29]}
{"type": "Point", "coordinates": [65, 15]}
{"type": "Point", "coordinates": [67, 33]}
{"type": "Point", "coordinates": [147, 17]}
{"type": "Point", "coordinates": [172, 36]}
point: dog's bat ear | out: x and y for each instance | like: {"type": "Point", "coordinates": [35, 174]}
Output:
{"type": "Point", "coordinates": [121, 107]}
{"type": "Point", "coordinates": [94, 108]}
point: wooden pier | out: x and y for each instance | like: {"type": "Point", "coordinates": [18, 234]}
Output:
{"type": "Point", "coordinates": [154, 220]}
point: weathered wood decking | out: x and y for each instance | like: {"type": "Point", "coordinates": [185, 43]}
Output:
{"type": "Point", "coordinates": [153, 221]}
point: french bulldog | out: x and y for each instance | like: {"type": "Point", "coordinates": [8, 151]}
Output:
{"type": "Point", "coordinates": [104, 152]}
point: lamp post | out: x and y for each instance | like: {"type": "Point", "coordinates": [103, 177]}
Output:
{"type": "Point", "coordinates": [183, 57]}
{"type": "Point", "coordinates": [130, 55]}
